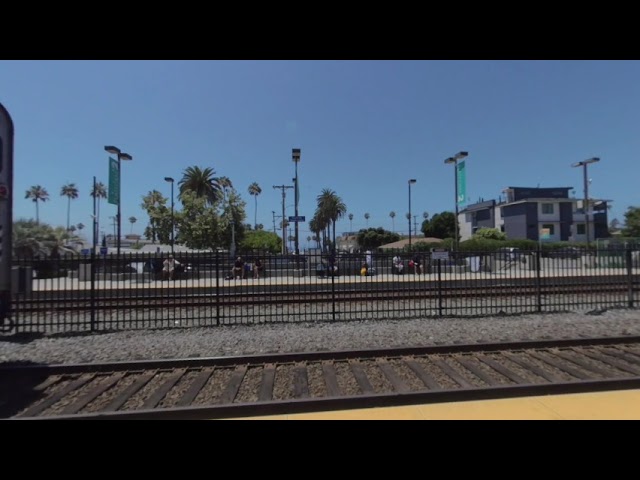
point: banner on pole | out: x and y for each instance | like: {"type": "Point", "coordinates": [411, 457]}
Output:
{"type": "Point", "coordinates": [462, 183]}
{"type": "Point", "coordinates": [114, 182]}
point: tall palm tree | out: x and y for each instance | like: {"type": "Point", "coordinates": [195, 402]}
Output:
{"type": "Point", "coordinates": [132, 220]}
{"type": "Point", "coordinates": [331, 208]}
{"type": "Point", "coordinates": [255, 190]}
{"type": "Point", "coordinates": [202, 182]}
{"type": "Point", "coordinates": [37, 194]}
{"type": "Point", "coordinates": [225, 183]}
{"type": "Point", "coordinates": [71, 192]}
{"type": "Point", "coordinates": [80, 226]}
{"type": "Point", "coordinates": [425, 215]}
{"type": "Point", "coordinates": [351, 222]}
{"type": "Point", "coordinates": [392, 214]}
{"type": "Point", "coordinates": [98, 191]}
{"type": "Point", "coordinates": [366, 217]}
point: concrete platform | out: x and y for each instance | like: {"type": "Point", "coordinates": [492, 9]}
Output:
{"type": "Point", "coordinates": [615, 405]}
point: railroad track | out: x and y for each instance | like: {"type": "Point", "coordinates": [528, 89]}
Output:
{"type": "Point", "coordinates": [308, 296]}
{"type": "Point", "coordinates": [227, 387]}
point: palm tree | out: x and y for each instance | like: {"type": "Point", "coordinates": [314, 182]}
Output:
{"type": "Point", "coordinates": [225, 183]}
{"type": "Point", "coordinates": [392, 214]}
{"type": "Point", "coordinates": [425, 215]}
{"type": "Point", "coordinates": [351, 222]}
{"type": "Point", "coordinates": [80, 226]}
{"type": "Point", "coordinates": [331, 208]}
{"type": "Point", "coordinates": [202, 182]}
{"type": "Point", "coordinates": [37, 193]}
{"type": "Point", "coordinates": [132, 220]}
{"type": "Point", "coordinates": [255, 190]}
{"type": "Point", "coordinates": [71, 192]}
{"type": "Point", "coordinates": [98, 191]}
{"type": "Point", "coordinates": [366, 217]}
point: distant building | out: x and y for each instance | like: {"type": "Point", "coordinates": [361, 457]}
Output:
{"type": "Point", "coordinates": [524, 212]}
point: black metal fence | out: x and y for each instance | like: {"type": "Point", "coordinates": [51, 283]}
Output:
{"type": "Point", "coordinates": [82, 293]}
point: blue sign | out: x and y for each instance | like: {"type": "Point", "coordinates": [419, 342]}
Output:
{"type": "Point", "coordinates": [103, 250]}
{"type": "Point", "coordinates": [85, 251]}
{"type": "Point", "coordinates": [299, 218]}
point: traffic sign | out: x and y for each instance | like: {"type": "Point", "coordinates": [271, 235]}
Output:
{"type": "Point", "coordinates": [103, 250]}
{"type": "Point", "coordinates": [85, 251]}
{"type": "Point", "coordinates": [299, 218]}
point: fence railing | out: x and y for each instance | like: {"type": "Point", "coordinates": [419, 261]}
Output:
{"type": "Point", "coordinates": [77, 293]}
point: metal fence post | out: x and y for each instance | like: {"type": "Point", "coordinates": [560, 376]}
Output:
{"type": "Point", "coordinates": [439, 287]}
{"type": "Point", "coordinates": [93, 289]}
{"type": "Point", "coordinates": [333, 289]}
{"type": "Point", "coordinates": [630, 276]}
{"type": "Point", "coordinates": [538, 281]}
{"type": "Point", "coordinates": [217, 288]}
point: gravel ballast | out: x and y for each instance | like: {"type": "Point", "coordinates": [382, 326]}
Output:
{"type": "Point", "coordinates": [308, 336]}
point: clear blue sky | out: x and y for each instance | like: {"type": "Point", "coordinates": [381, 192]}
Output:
{"type": "Point", "coordinates": [364, 127]}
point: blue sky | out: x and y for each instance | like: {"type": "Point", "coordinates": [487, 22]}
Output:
{"type": "Point", "coordinates": [364, 128]}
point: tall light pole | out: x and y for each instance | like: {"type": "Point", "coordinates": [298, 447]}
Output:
{"type": "Point", "coordinates": [413, 180]}
{"type": "Point", "coordinates": [295, 156]}
{"type": "Point", "coordinates": [95, 220]}
{"type": "Point", "coordinates": [454, 160]}
{"type": "Point", "coordinates": [585, 205]}
{"type": "Point", "coordinates": [284, 225]}
{"type": "Point", "coordinates": [171, 181]}
{"type": "Point", "coordinates": [121, 156]}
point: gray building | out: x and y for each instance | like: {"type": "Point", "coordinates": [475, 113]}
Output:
{"type": "Point", "coordinates": [523, 213]}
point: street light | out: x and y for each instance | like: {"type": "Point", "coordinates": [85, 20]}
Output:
{"type": "Point", "coordinates": [283, 188]}
{"type": "Point", "coordinates": [454, 160]}
{"type": "Point", "coordinates": [121, 156]}
{"type": "Point", "coordinates": [413, 180]}
{"type": "Point", "coordinates": [171, 181]}
{"type": "Point", "coordinates": [295, 156]}
{"type": "Point", "coordinates": [585, 205]}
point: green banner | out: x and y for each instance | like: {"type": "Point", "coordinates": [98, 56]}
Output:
{"type": "Point", "coordinates": [462, 183]}
{"type": "Point", "coordinates": [114, 182]}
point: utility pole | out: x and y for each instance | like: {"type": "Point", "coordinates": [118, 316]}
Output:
{"type": "Point", "coordinates": [274, 220]}
{"type": "Point", "coordinates": [284, 225]}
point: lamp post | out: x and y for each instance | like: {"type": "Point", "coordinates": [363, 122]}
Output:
{"type": "Point", "coordinates": [454, 160]}
{"type": "Point", "coordinates": [295, 156]}
{"type": "Point", "coordinates": [585, 205]}
{"type": "Point", "coordinates": [284, 224]}
{"type": "Point", "coordinates": [121, 156]}
{"type": "Point", "coordinates": [413, 180]}
{"type": "Point", "coordinates": [171, 181]}
{"type": "Point", "coordinates": [94, 217]}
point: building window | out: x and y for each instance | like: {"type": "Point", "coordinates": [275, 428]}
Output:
{"type": "Point", "coordinates": [547, 208]}
{"type": "Point", "coordinates": [580, 229]}
{"type": "Point", "coordinates": [502, 228]}
{"type": "Point", "coordinates": [550, 227]}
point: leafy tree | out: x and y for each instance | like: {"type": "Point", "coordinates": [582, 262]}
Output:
{"type": "Point", "coordinates": [202, 182]}
{"type": "Point", "coordinates": [37, 194]}
{"type": "Point", "coordinates": [442, 225]}
{"type": "Point", "coordinates": [71, 192]}
{"type": "Point", "coordinates": [490, 233]}
{"type": "Point", "coordinates": [254, 191]}
{"type": "Point", "coordinates": [232, 209]}
{"type": "Point", "coordinates": [632, 222]}
{"type": "Point", "coordinates": [31, 238]}
{"type": "Point", "coordinates": [372, 238]}
{"type": "Point", "coordinates": [262, 240]}
{"type": "Point", "coordinates": [155, 204]}
{"type": "Point", "coordinates": [198, 224]}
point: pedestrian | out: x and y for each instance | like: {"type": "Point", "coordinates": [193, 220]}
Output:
{"type": "Point", "coordinates": [417, 264]}
{"type": "Point", "coordinates": [169, 267]}
{"type": "Point", "coordinates": [257, 268]}
{"type": "Point", "coordinates": [238, 269]}
{"type": "Point", "coordinates": [369, 258]}
{"type": "Point", "coordinates": [397, 264]}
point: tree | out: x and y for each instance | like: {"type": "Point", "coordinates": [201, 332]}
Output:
{"type": "Point", "coordinates": [202, 182]}
{"type": "Point", "coordinates": [632, 222]}
{"type": "Point", "coordinates": [71, 192]}
{"type": "Point", "coordinates": [262, 240]}
{"type": "Point", "coordinates": [154, 203]}
{"type": "Point", "coordinates": [37, 194]}
{"type": "Point", "coordinates": [98, 191]}
{"type": "Point", "coordinates": [80, 226]}
{"type": "Point", "coordinates": [35, 239]}
{"type": "Point", "coordinates": [330, 208]}
{"type": "Point", "coordinates": [442, 225]}
{"type": "Point", "coordinates": [366, 217]}
{"type": "Point", "coordinates": [132, 220]}
{"type": "Point", "coordinates": [198, 224]}
{"type": "Point", "coordinates": [372, 238]}
{"type": "Point", "coordinates": [254, 191]}
{"type": "Point", "coordinates": [351, 222]}
{"type": "Point", "coordinates": [392, 214]}
{"type": "Point", "coordinates": [490, 233]}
